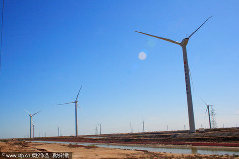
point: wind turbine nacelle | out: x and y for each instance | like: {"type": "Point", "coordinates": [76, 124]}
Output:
{"type": "Point", "coordinates": [184, 42]}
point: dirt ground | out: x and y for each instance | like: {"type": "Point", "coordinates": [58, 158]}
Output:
{"type": "Point", "coordinates": [225, 137]}
{"type": "Point", "coordinates": [93, 152]}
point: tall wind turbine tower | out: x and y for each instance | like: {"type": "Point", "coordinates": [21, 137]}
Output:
{"type": "Point", "coordinates": [183, 44]}
{"type": "Point", "coordinates": [100, 128]}
{"type": "Point", "coordinates": [58, 131]}
{"type": "Point", "coordinates": [33, 126]}
{"type": "Point", "coordinates": [30, 116]}
{"type": "Point", "coordinates": [96, 130]}
{"type": "Point", "coordinates": [76, 101]}
{"type": "Point", "coordinates": [209, 115]}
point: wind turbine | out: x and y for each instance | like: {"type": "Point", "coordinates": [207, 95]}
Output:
{"type": "Point", "coordinates": [209, 115]}
{"type": "Point", "coordinates": [76, 101]}
{"type": "Point", "coordinates": [183, 44]}
{"type": "Point", "coordinates": [31, 115]}
{"type": "Point", "coordinates": [208, 111]}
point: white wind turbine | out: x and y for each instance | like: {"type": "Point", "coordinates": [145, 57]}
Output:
{"type": "Point", "coordinates": [183, 44]}
{"type": "Point", "coordinates": [31, 115]}
{"type": "Point", "coordinates": [76, 101]}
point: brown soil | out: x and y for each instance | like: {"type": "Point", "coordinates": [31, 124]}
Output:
{"type": "Point", "coordinates": [223, 137]}
{"type": "Point", "coordinates": [94, 152]}
{"type": "Point", "coordinates": [226, 137]}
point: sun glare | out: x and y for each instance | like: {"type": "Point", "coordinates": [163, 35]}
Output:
{"type": "Point", "coordinates": [142, 56]}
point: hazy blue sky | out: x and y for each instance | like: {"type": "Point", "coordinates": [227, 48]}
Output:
{"type": "Point", "coordinates": [51, 48]}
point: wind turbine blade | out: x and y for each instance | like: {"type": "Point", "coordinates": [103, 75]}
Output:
{"type": "Point", "coordinates": [175, 42]}
{"type": "Point", "coordinates": [203, 101]}
{"type": "Point", "coordinates": [35, 113]}
{"type": "Point", "coordinates": [199, 27]}
{"type": "Point", "coordinates": [26, 111]}
{"type": "Point", "coordinates": [78, 93]}
{"type": "Point", "coordinates": [66, 103]}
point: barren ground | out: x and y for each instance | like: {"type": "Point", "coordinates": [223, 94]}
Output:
{"type": "Point", "coordinates": [93, 152]}
{"type": "Point", "coordinates": [221, 137]}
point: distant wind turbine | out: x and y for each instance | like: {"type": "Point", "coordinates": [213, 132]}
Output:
{"type": "Point", "coordinates": [143, 125]}
{"type": "Point", "coordinates": [76, 101]}
{"type": "Point", "coordinates": [58, 131]}
{"type": "Point", "coordinates": [208, 111]}
{"type": "Point", "coordinates": [100, 128]}
{"type": "Point", "coordinates": [96, 130]}
{"type": "Point", "coordinates": [183, 44]}
{"type": "Point", "coordinates": [131, 128]}
{"type": "Point", "coordinates": [31, 115]}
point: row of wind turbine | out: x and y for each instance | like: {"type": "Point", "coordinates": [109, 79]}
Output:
{"type": "Point", "coordinates": [76, 123]}
{"type": "Point", "coordinates": [183, 44]}
{"type": "Point", "coordinates": [31, 125]}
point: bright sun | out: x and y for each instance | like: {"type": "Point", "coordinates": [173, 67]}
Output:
{"type": "Point", "coordinates": [142, 55]}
